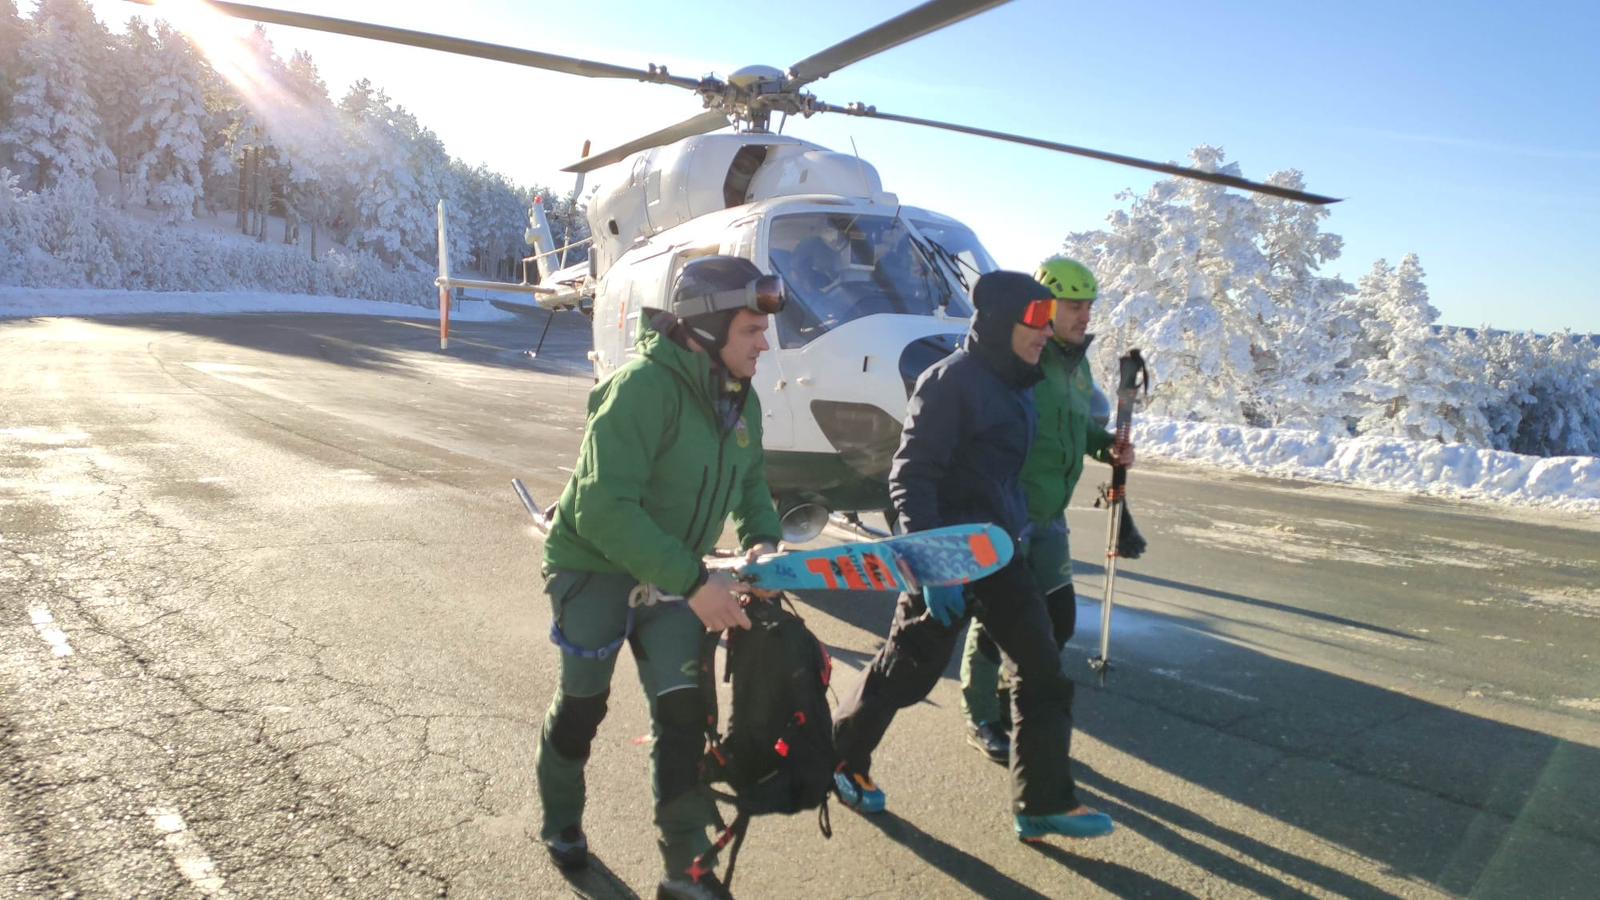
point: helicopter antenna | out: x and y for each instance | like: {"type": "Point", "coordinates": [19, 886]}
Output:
{"type": "Point", "coordinates": [859, 164]}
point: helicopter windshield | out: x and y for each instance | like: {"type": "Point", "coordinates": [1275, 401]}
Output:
{"type": "Point", "coordinates": [842, 266]}
{"type": "Point", "coordinates": [961, 247]}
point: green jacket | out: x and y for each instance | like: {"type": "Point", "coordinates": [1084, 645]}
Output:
{"type": "Point", "coordinates": [658, 475]}
{"type": "Point", "coordinates": [1066, 432]}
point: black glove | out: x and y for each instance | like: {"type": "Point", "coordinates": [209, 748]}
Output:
{"type": "Point", "coordinates": [1130, 543]}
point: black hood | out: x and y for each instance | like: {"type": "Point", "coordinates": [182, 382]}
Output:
{"type": "Point", "coordinates": [1000, 298]}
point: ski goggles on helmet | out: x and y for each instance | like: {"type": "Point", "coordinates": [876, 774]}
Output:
{"type": "Point", "coordinates": [764, 295]}
{"type": "Point", "coordinates": [1039, 313]}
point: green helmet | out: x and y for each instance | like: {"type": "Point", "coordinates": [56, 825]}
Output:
{"type": "Point", "coordinates": [1067, 279]}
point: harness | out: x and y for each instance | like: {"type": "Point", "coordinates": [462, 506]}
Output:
{"type": "Point", "coordinates": [640, 595]}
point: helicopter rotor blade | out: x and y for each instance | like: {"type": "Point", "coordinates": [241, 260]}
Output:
{"type": "Point", "coordinates": [705, 122]}
{"type": "Point", "coordinates": [1232, 181]}
{"type": "Point", "coordinates": [909, 25]}
{"type": "Point", "coordinates": [532, 58]}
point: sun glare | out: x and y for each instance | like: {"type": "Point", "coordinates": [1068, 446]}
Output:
{"type": "Point", "coordinates": [236, 52]}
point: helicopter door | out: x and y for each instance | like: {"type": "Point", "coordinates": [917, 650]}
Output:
{"type": "Point", "coordinates": [777, 413]}
{"type": "Point", "coordinates": [777, 416]}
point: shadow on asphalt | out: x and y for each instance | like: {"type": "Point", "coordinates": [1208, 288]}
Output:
{"type": "Point", "coordinates": [1168, 825]}
{"type": "Point", "coordinates": [598, 882]}
{"type": "Point", "coordinates": [984, 880]}
{"type": "Point", "coordinates": [1080, 569]}
{"type": "Point", "coordinates": [1467, 804]}
{"type": "Point", "coordinates": [1116, 879]}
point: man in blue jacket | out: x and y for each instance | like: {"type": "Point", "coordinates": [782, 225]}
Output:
{"type": "Point", "coordinates": [967, 432]}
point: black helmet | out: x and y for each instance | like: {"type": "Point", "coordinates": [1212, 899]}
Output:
{"type": "Point", "coordinates": [709, 291]}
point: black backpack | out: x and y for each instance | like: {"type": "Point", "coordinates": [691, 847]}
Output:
{"type": "Point", "coordinates": [777, 755]}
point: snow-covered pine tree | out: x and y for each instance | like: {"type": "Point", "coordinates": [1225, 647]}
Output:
{"type": "Point", "coordinates": [1413, 387]}
{"type": "Point", "coordinates": [170, 113]}
{"type": "Point", "coordinates": [314, 156]}
{"type": "Point", "coordinates": [1182, 275]}
{"type": "Point", "coordinates": [13, 31]}
{"type": "Point", "coordinates": [387, 186]}
{"type": "Point", "coordinates": [1560, 405]}
{"type": "Point", "coordinates": [1503, 358]}
{"type": "Point", "coordinates": [571, 222]}
{"type": "Point", "coordinates": [14, 232]}
{"type": "Point", "coordinates": [1303, 370]}
{"type": "Point", "coordinates": [132, 63]}
{"type": "Point", "coordinates": [55, 130]}
{"type": "Point", "coordinates": [223, 110]}
{"type": "Point", "coordinates": [430, 163]}
{"type": "Point", "coordinates": [465, 209]}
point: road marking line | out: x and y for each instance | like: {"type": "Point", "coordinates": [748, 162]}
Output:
{"type": "Point", "coordinates": [45, 624]}
{"type": "Point", "coordinates": [1175, 675]}
{"type": "Point", "coordinates": [187, 853]}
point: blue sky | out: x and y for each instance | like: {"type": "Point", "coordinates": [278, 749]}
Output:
{"type": "Point", "coordinates": [1468, 133]}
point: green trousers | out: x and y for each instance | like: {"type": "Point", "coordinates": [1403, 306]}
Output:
{"type": "Point", "coordinates": [1051, 566]}
{"type": "Point", "coordinates": [591, 610]}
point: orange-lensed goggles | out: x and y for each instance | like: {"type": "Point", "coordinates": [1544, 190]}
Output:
{"type": "Point", "coordinates": [764, 295]}
{"type": "Point", "coordinates": [1039, 313]}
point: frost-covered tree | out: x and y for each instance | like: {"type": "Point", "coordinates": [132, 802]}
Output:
{"type": "Point", "coordinates": [314, 156]}
{"type": "Point", "coordinates": [465, 214]}
{"type": "Point", "coordinates": [13, 229]}
{"type": "Point", "coordinates": [13, 31]}
{"type": "Point", "coordinates": [1303, 370]}
{"type": "Point", "coordinates": [132, 65]}
{"type": "Point", "coordinates": [1186, 274]}
{"type": "Point", "coordinates": [1412, 385]}
{"type": "Point", "coordinates": [1558, 398]}
{"type": "Point", "coordinates": [54, 129]}
{"type": "Point", "coordinates": [570, 221]}
{"type": "Point", "coordinates": [166, 127]}
{"type": "Point", "coordinates": [391, 185]}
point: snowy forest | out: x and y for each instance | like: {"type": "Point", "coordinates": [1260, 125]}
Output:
{"type": "Point", "coordinates": [111, 144]}
{"type": "Point", "coordinates": [1224, 293]}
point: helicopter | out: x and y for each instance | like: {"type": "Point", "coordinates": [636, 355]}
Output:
{"type": "Point", "coordinates": [877, 289]}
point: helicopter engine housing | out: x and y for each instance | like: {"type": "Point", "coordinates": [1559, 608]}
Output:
{"type": "Point", "coordinates": [668, 186]}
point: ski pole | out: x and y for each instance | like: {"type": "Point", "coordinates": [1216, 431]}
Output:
{"type": "Point", "coordinates": [1132, 375]}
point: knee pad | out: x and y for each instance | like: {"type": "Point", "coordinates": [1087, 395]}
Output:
{"type": "Point", "coordinates": [681, 727]}
{"type": "Point", "coordinates": [572, 727]}
{"type": "Point", "coordinates": [1063, 605]}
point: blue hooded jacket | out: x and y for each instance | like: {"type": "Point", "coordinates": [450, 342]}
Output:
{"type": "Point", "coordinates": [971, 420]}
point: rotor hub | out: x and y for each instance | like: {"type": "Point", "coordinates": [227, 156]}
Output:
{"type": "Point", "coordinates": [752, 94]}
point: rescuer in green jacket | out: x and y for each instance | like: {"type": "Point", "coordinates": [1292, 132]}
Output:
{"type": "Point", "coordinates": [1067, 433]}
{"type": "Point", "coordinates": [672, 448]}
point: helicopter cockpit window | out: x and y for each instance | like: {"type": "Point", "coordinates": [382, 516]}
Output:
{"type": "Point", "coordinates": [962, 245]}
{"type": "Point", "coordinates": [842, 266]}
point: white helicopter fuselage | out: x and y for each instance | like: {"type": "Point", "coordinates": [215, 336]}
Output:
{"type": "Point", "coordinates": [834, 386]}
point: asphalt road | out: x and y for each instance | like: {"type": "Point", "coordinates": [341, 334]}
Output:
{"type": "Point", "coordinates": [270, 627]}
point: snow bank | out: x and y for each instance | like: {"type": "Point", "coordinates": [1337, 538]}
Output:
{"type": "Point", "coordinates": [1453, 470]}
{"type": "Point", "coordinates": [39, 302]}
